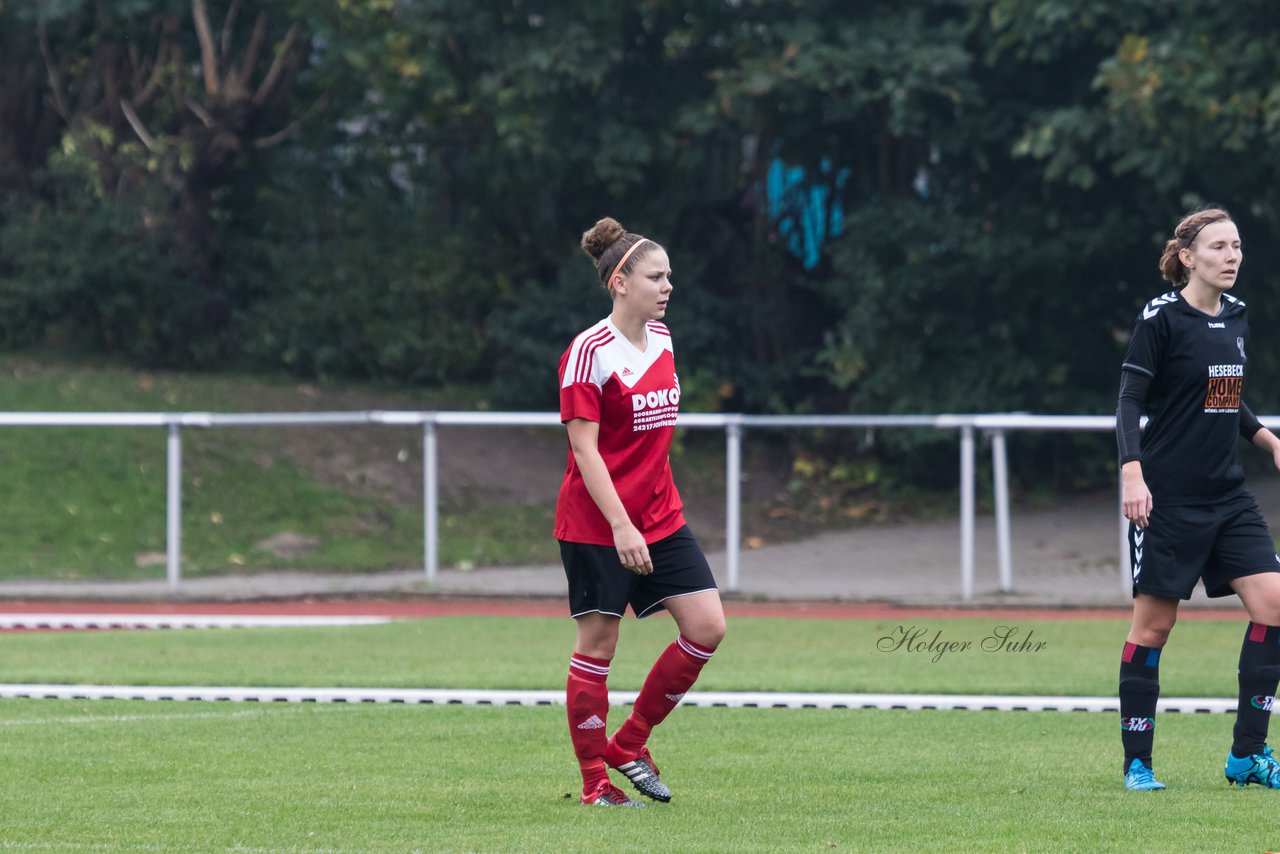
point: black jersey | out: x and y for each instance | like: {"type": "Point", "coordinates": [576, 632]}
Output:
{"type": "Point", "coordinates": [1196, 363]}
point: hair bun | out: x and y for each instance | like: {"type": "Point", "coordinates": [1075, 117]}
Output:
{"type": "Point", "coordinates": [597, 239]}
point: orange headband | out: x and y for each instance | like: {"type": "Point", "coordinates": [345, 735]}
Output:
{"type": "Point", "coordinates": [625, 256]}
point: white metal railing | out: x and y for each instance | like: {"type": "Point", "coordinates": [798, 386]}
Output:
{"type": "Point", "coordinates": [967, 426]}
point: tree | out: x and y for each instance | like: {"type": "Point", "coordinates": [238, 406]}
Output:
{"type": "Point", "coordinates": [1182, 109]}
{"type": "Point", "coordinates": [149, 121]}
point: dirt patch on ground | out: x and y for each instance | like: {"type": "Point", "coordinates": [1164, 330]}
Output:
{"type": "Point", "coordinates": [523, 466]}
{"type": "Point", "coordinates": [501, 465]}
{"type": "Point", "coordinates": [504, 464]}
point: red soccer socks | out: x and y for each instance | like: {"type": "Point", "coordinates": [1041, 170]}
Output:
{"type": "Point", "coordinates": [587, 699]}
{"type": "Point", "coordinates": [672, 675]}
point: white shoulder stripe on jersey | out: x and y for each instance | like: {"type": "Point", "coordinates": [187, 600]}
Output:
{"type": "Point", "coordinates": [588, 358]}
{"type": "Point", "coordinates": [579, 369]}
{"type": "Point", "coordinates": [1153, 308]}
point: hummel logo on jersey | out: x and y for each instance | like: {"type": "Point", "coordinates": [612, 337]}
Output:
{"type": "Point", "coordinates": [675, 698]}
{"type": "Point", "coordinates": [592, 722]}
{"type": "Point", "coordinates": [1261, 702]}
{"type": "Point", "coordinates": [1153, 307]}
{"type": "Point", "coordinates": [1137, 724]}
{"type": "Point", "coordinates": [1213, 325]}
{"type": "Point", "coordinates": [1138, 536]}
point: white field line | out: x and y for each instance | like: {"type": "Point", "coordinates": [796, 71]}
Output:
{"type": "Point", "coordinates": [227, 714]}
{"type": "Point", "coordinates": [763, 700]}
{"type": "Point", "coordinates": [10, 845]}
{"type": "Point", "coordinates": [179, 621]}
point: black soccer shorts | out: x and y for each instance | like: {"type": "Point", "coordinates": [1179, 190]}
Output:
{"type": "Point", "coordinates": [598, 582]}
{"type": "Point", "coordinates": [1216, 543]}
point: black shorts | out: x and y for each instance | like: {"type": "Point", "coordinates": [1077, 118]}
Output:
{"type": "Point", "coordinates": [1214, 542]}
{"type": "Point", "coordinates": [598, 582]}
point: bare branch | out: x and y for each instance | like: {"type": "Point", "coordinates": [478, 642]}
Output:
{"type": "Point", "coordinates": [136, 123]}
{"type": "Point", "coordinates": [254, 50]}
{"type": "Point", "coordinates": [55, 79]}
{"type": "Point", "coordinates": [266, 90]}
{"type": "Point", "coordinates": [152, 87]}
{"type": "Point", "coordinates": [201, 113]}
{"type": "Point", "coordinates": [228, 25]}
{"type": "Point", "coordinates": [208, 56]}
{"type": "Point", "coordinates": [289, 129]}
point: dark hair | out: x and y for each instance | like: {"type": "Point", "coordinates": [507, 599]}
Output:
{"type": "Point", "coordinates": [607, 242]}
{"type": "Point", "coordinates": [1171, 266]}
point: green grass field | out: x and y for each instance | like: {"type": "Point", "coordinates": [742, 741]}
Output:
{"type": "Point", "coordinates": [121, 776]}
{"type": "Point", "coordinates": [1080, 657]}
{"type": "Point", "coordinates": [204, 776]}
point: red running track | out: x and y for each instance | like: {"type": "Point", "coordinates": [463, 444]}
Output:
{"type": "Point", "coordinates": [451, 606]}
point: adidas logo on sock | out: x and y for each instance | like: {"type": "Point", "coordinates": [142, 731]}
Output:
{"type": "Point", "coordinates": [675, 698]}
{"type": "Point", "coordinates": [592, 722]}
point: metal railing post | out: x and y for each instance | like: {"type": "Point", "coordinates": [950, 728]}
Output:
{"type": "Point", "coordinates": [1000, 477]}
{"type": "Point", "coordinates": [430, 500]}
{"type": "Point", "coordinates": [173, 492]}
{"type": "Point", "coordinates": [733, 503]}
{"type": "Point", "coordinates": [966, 512]}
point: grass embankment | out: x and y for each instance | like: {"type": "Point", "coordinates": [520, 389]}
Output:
{"type": "Point", "coordinates": [90, 502]}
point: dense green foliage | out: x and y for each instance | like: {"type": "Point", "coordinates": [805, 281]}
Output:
{"type": "Point", "coordinates": [394, 190]}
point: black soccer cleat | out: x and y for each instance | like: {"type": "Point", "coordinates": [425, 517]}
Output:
{"type": "Point", "coordinates": [643, 774]}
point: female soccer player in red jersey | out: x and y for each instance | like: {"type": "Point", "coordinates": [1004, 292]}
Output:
{"type": "Point", "coordinates": [623, 537]}
{"type": "Point", "coordinates": [1191, 516]}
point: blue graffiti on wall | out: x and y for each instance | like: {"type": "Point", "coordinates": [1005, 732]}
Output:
{"type": "Point", "coordinates": [806, 212]}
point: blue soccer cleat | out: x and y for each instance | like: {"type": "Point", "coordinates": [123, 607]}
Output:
{"type": "Point", "coordinates": [1139, 778]}
{"type": "Point", "coordinates": [1261, 768]}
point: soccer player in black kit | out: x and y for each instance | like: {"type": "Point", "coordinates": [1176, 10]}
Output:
{"type": "Point", "coordinates": [1191, 516]}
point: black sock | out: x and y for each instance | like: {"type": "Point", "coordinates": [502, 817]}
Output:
{"type": "Point", "coordinates": [1259, 673]}
{"type": "Point", "coordinates": [1139, 691]}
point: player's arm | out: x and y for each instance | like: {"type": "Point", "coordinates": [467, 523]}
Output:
{"type": "Point", "coordinates": [1251, 428]}
{"type": "Point", "coordinates": [584, 442]}
{"type": "Point", "coordinates": [1135, 499]}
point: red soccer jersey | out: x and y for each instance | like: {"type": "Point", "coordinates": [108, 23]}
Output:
{"type": "Point", "coordinates": [634, 397]}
